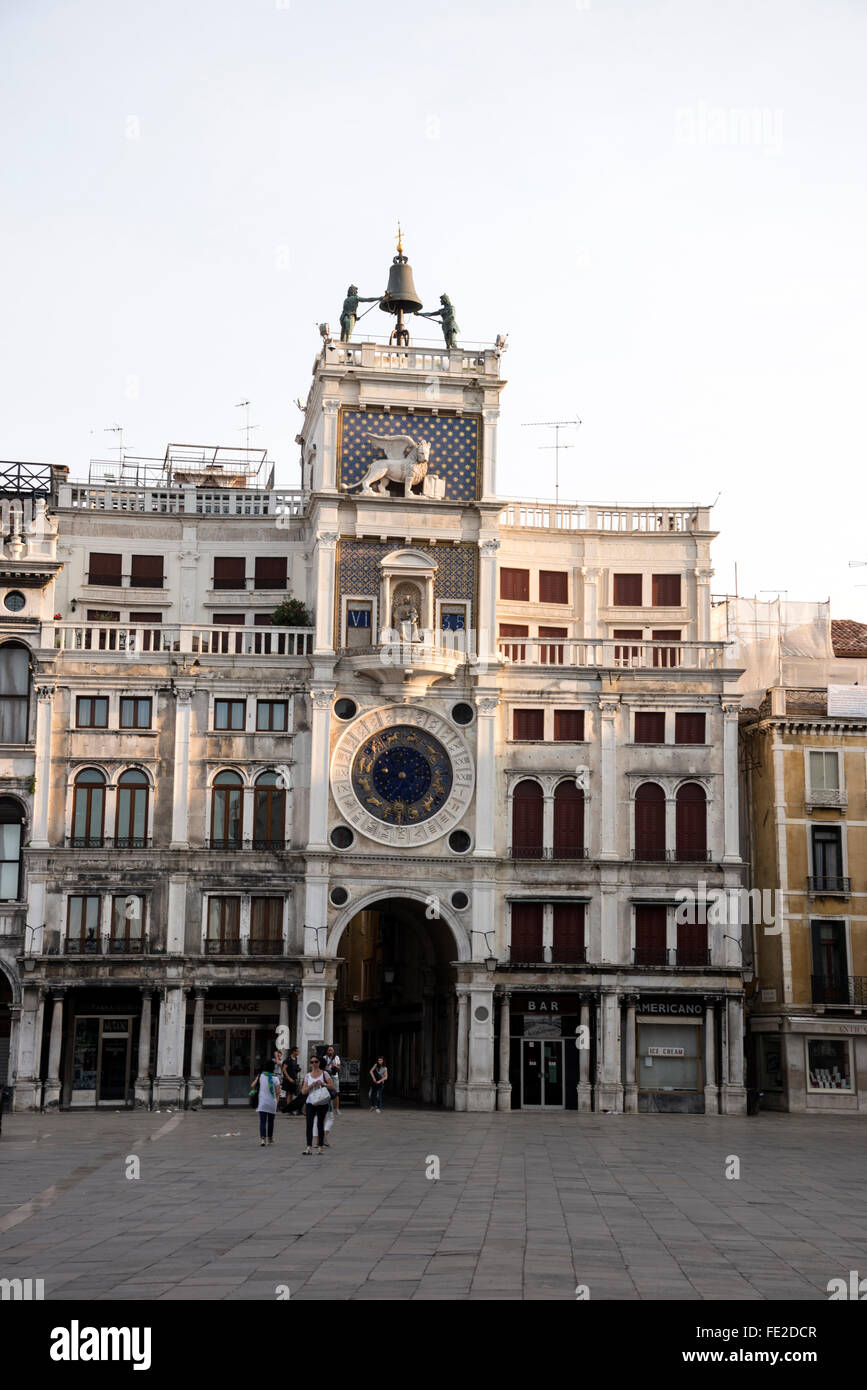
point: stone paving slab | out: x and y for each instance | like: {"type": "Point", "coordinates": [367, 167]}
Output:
{"type": "Point", "coordinates": [635, 1207]}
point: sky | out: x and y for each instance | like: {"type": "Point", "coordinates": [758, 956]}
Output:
{"type": "Point", "coordinates": [662, 203]}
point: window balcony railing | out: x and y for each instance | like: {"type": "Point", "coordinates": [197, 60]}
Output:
{"type": "Point", "coordinates": [225, 946]}
{"type": "Point", "coordinates": [268, 844]}
{"type": "Point", "coordinates": [127, 946]}
{"type": "Point", "coordinates": [649, 955]}
{"type": "Point", "coordinates": [125, 581]}
{"type": "Point", "coordinates": [691, 957]}
{"type": "Point", "coordinates": [544, 957]}
{"type": "Point", "coordinates": [156, 639]}
{"type": "Point", "coordinates": [821, 796]}
{"type": "Point", "coordinates": [694, 956]}
{"type": "Point", "coordinates": [107, 946]}
{"type": "Point", "coordinates": [85, 841]}
{"type": "Point", "coordinates": [848, 990]}
{"type": "Point", "coordinates": [673, 856]}
{"type": "Point", "coordinates": [830, 884]}
{"type": "Point", "coordinates": [265, 946]}
{"type": "Point", "coordinates": [650, 856]}
{"type": "Point", "coordinates": [548, 852]}
{"type": "Point", "coordinates": [132, 842]}
{"type": "Point", "coordinates": [225, 844]}
{"type": "Point", "coordinates": [617, 653]}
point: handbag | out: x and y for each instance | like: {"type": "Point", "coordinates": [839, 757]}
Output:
{"type": "Point", "coordinates": [253, 1093]}
{"type": "Point", "coordinates": [318, 1095]}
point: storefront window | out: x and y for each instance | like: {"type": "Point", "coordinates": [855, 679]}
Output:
{"type": "Point", "coordinates": [829, 1064]}
{"type": "Point", "coordinates": [669, 1057]}
{"type": "Point", "coordinates": [84, 1054]}
{"type": "Point", "coordinates": [770, 1063]}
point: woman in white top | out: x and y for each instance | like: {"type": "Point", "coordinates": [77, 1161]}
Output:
{"type": "Point", "coordinates": [269, 1090]}
{"type": "Point", "coordinates": [318, 1089]}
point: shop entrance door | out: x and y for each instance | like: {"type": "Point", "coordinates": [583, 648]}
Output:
{"type": "Point", "coordinates": [101, 1057]}
{"type": "Point", "coordinates": [227, 1065]}
{"type": "Point", "coordinates": [542, 1074]}
{"type": "Point", "coordinates": [114, 1059]}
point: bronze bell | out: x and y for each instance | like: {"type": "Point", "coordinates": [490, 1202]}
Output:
{"type": "Point", "coordinates": [401, 296]}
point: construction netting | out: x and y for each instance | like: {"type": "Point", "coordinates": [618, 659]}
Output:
{"type": "Point", "coordinates": [764, 633]}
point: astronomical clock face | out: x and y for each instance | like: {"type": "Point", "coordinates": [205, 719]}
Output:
{"type": "Point", "coordinates": [402, 776]}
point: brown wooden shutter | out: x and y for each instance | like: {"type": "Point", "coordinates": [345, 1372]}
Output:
{"type": "Point", "coordinates": [691, 822]}
{"type": "Point", "coordinates": [691, 943]}
{"type": "Point", "coordinates": [513, 651]}
{"type": "Point", "coordinates": [515, 585]}
{"type": "Point", "coordinates": [553, 586]}
{"type": "Point", "coordinates": [147, 571]}
{"type": "Point", "coordinates": [627, 590]}
{"type": "Point", "coordinates": [527, 821]}
{"type": "Point", "coordinates": [105, 569]}
{"type": "Point", "coordinates": [650, 934]}
{"type": "Point", "coordinates": [650, 821]}
{"type": "Point", "coordinates": [569, 725]}
{"type": "Point", "coordinates": [649, 727]}
{"type": "Point", "coordinates": [689, 728]}
{"type": "Point", "coordinates": [666, 590]}
{"type": "Point", "coordinates": [568, 821]}
{"type": "Point", "coordinates": [568, 933]}
{"type": "Point", "coordinates": [529, 725]}
{"type": "Point", "coordinates": [229, 571]}
{"type": "Point", "coordinates": [270, 572]}
{"type": "Point", "coordinates": [551, 651]}
{"type": "Point", "coordinates": [526, 937]}
{"type": "Point", "coordinates": [666, 656]}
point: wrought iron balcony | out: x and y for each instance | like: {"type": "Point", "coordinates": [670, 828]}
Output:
{"type": "Point", "coordinates": [839, 989]}
{"type": "Point", "coordinates": [269, 844]}
{"type": "Point", "coordinates": [832, 885]}
{"type": "Point", "coordinates": [228, 946]}
{"type": "Point", "coordinates": [694, 956]}
{"type": "Point", "coordinates": [649, 955]}
{"type": "Point", "coordinates": [533, 957]}
{"type": "Point", "coordinates": [689, 957]}
{"type": "Point", "coordinates": [85, 841]}
{"type": "Point", "coordinates": [548, 852]}
{"type": "Point", "coordinates": [131, 842]}
{"type": "Point", "coordinates": [265, 946]}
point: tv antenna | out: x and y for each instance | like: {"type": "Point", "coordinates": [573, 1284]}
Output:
{"type": "Point", "coordinates": [246, 427]}
{"type": "Point", "coordinates": [556, 426]}
{"type": "Point", "coordinates": [118, 430]}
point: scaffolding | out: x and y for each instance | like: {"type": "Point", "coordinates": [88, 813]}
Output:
{"type": "Point", "coordinates": [187, 465]}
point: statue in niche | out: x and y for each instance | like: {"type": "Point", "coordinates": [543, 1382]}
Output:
{"type": "Point", "coordinates": [405, 619]}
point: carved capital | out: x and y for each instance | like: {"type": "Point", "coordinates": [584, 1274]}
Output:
{"type": "Point", "coordinates": [330, 407]}
{"type": "Point", "coordinates": [590, 573]}
{"type": "Point", "coordinates": [608, 706]}
{"type": "Point", "coordinates": [183, 694]}
{"type": "Point", "coordinates": [322, 698]}
{"type": "Point", "coordinates": [729, 707]}
{"type": "Point", "coordinates": [45, 692]}
{"type": "Point", "coordinates": [488, 705]}
{"type": "Point", "coordinates": [327, 540]}
{"type": "Point", "coordinates": [489, 548]}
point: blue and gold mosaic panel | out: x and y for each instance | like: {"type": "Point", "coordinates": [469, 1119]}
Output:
{"type": "Point", "coordinates": [358, 572]}
{"type": "Point", "coordinates": [455, 446]}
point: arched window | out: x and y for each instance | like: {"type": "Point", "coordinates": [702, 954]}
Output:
{"type": "Point", "coordinates": [131, 822]}
{"type": "Point", "coordinates": [568, 821]}
{"type": "Point", "coordinates": [649, 821]}
{"type": "Point", "coordinates": [11, 824]}
{"type": "Point", "coordinates": [14, 692]}
{"type": "Point", "coordinates": [88, 809]}
{"type": "Point", "coordinates": [269, 821]}
{"type": "Point", "coordinates": [691, 821]}
{"type": "Point", "coordinates": [227, 811]}
{"type": "Point", "coordinates": [527, 821]}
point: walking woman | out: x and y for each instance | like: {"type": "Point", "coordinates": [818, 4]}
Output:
{"type": "Point", "coordinates": [318, 1089]}
{"type": "Point", "coordinates": [378, 1078]}
{"type": "Point", "coordinates": [268, 1083]}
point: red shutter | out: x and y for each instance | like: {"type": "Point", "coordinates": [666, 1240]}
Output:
{"type": "Point", "coordinates": [515, 585]}
{"type": "Point", "coordinates": [689, 728]}
{"type": "Point", "coordinates": [650, 822]}
{"type": "Point", "coordinates": [105, 569]}
{"type": "Point", "coordinates": [691, 943]}
{"type": "Point", "coordinates": [529, 725]}
{"type": "Point", "coordinates": [650, 934]}
{"type": "Point", "coordinates": [526, 939]}
{"type": "Point", "coordinates": [568, 821]}
{"type": "Point", "coordinates": [666, 656]}
{"type": "Point", "coordinates": [627, 590]}
{"type": "Point", "coordinates": [649, 727]}
{"type": "Point", "coordinates": [551, 653]}
{"type": "Point", "coordinates": [221, 641]}
{"type": "Point", "coordinates": [553, 586]}
{"type": "Point", "coordinates": [146, 571]}
{"type": "Point", "coordinates": [527, 821]}
{"type": "Point", "coordinates": [229, 571]}
{"type": "Point", "coordinates": [666, 590]}
{"type": "Point", "coordinates": [513, 651]}
{"type": "Point", "coordinates": [628, 656]}
{"type": "Point", "coordinates": [569, 725]}
{"type": "Point", "coordinates": [270, 572]}
{"type": "Point", "coordinates": [569, 933]}
{"type": "Point", "coordinates": [691, 822]}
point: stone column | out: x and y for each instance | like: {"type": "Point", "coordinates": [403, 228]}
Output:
{"type": "Point", "coordinates": [481, 1092]}
{"type": "Point", "coordinates": [711, 1089]}
{"type": "Point", "coordinates": [732, 853]}
{"type": "Point", "coordinates": [320, 752]}
{"type": "Point", "coordinates": [428, 1021]}
{"type": "Point", "coordinates": [28, 1085]}
{"type": "Point", "coordinates": [630, 1088]}
{"type": "Point", "coordinates": [181, 770]}
{"type": "Point", "coordinates": [608, 828]}
{"type": "Point", "coordinates": [329, 1014]}
{"type": "Point", "coordinates": [504, 1085]}
{"type": "Point", "coordinates": [169, 1084]}
{"type": "Point", "coordinates": [590, 615]}
{"type": "Point", "coordinates": [489, 454]}
{"type": "Point", "coordinates": [176, 914]}
{"type": "Point", "coordinates": [14, 1023]}
{"type": "Point", "coordinates": [451, 1054]}
{"type": "Point", "coordinates": [42, 767]}
{"type": "Point", "coordinates": [734, 1097]}
{"type": "Point", "coordinates": [462, 1051]}
{"type": "Point", "coordinates": [486, 772]}
{"type": "Point", "coordinates": [327, 482]}
{"type": "Point", "coordinates": [609, 1087]}
{"type": "Point", "coordinates": [311, 1025]}
{"type": "Point", "coordinates": [585, 1089]}
{"type": "Point", "coordinates": [51, 1094]}
{"type": "Point", "coordinates": [324, 579]}
{"type": "Point", "coordinates": [284, 1034]}
{"type": "Point", "coordinates": [547, 816]}
{"type": "Point", "coordinates": [195, 1084]}
{"type": "Point", "coordinates": [486, 618]}
{"type": "Point", "coordinates": [702, 604]}
{"type": "Point", "coordinates": [143, 1077]}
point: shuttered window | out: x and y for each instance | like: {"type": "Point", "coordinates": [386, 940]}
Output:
{"type": "Point", "coordinates": [568, 821]}
{"type": "Point", "coordinates": [666, 656]}
{"type": "Point", "coordinates": [650, 934]}
{"type": "Point", "coordinates": [627, 590]}
{"type": "Point", "coordinates": [568, 944]}
{"type": "Point", "coordinates": [526, 937]}
{"type": "Point", "coordinates": [527, 821]}
{"type": "Point", "coordinates": [666, 590]}
{"type": "Point", "coordinates": [569, 725]}
{"type": "Point", "coordinates": [270, 572]}
{"type": "Point", "coordinates": [650, 822]}
{"type": "Point", "coordinates": [105, 569]}
{"type": "Point", "coordinates": [691, 822]}
{"type": "Point", "coordinates": [515, 585]}
{"type": "Point", "coordinates": [229, 571]}
{"type": "Point", "coordinates": [146, 572]}
{"type": "Point", "coordinates": [691, 943]}
{"type": "Point", "coordinates": [529, 725]}
{"type": "Point", "coordinates": [553, 586]}
{"type": "Point", "coordinates": [513, 651]}
{"type": "Point", "coordinates": [551, 649]}
{"type": "Point", "coordinates": [689, 728]}
{"type": "Point", "coordinates": [649, 727]}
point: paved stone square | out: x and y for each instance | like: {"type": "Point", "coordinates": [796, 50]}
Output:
{"type": "Point", "coordinates": [526, 1206]}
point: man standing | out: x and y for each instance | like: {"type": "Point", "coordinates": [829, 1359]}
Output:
{"type": "Point", "coordinates": [350, 309]}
